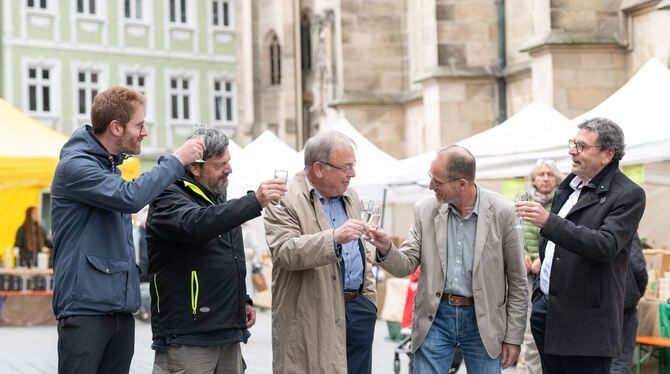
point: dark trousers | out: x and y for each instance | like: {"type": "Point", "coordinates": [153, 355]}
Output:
{"type": "Point", "coordinates": [622, 363]}
{"type": "Point", "coordinates": [96, 344]}
{"type": "Point", "coordinates": [555, 364]}
{"type": "Point", "coordinates": [361, 317]}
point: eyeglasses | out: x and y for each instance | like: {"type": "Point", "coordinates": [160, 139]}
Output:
{"type": "Point", "coordinates": [436, 182]}
{"type": "Point", "coordinates": [579, 146]}
{"type": "Point", "coordinates": [345, 168]}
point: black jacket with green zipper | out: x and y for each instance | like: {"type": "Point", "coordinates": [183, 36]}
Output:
{"type": "Point", "coordinates": [196, 259]}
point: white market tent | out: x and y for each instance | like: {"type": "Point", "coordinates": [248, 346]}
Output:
{"type": "Point", "coordinates": [233, 148]}
{"type": "Point", "coordinates": [371, 163]}
{"type": "Point", "coordinates": [369, 180]}
{"type": "Point", "coordinates": [507, 150]}
{"type": "Point", "coordinates": [257, 162]}
{"type": "Point", "coordinates": [642, 108]}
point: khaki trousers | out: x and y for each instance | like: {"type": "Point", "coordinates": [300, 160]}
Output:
{"type": "Point", "coordinates": [189, 359]}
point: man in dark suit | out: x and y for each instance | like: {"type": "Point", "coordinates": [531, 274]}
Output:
{"type": "Point", "coordinates": [578, 298]}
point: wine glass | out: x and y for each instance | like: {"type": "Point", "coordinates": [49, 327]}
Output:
{"type": "Point", "coordinates": [366, 214]}
{"type": "Point", "coordinates": [375, 217]}
{"type": "Point", "coordinates": [518, 197]}
{"type": "Point", "coordinates": [283, 176]}
{"type": "Point", "coordinates": [199, 134]}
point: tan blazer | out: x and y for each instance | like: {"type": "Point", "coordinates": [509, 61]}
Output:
{"type": "Point", "coordinates": [308, 320]}
{"type": "Point", "coordinates": [498, 277]}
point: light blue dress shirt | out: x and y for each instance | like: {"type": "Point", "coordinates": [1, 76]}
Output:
{"type": "Point", "coordinates": [351, 255]}
{"type": "Point", "coordinates": [461, 232]}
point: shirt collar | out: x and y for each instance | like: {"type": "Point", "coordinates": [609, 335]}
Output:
{"type": "Point", "coordinates": [475, 210]}
{"type": "Point", "coordinates": [576, 183]}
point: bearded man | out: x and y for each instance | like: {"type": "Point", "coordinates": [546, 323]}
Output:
{"type": "Point", "coordinates": [200, 309]}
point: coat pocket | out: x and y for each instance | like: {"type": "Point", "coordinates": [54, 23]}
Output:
{"type": "Point", "coordinates": [102, 282]}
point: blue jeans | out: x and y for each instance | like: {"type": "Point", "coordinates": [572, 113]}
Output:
{"type": "Point", "coordinates": [454, 325]}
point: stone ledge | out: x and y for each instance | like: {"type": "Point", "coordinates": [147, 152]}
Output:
{"type": "Point", "coordinates": [556, 37]}
{"type": "Point", "coordinates": [629, 6]}
{"type": "Point", "coordinates": [365, 99]}
{"type": "Point", "coordinates": [450, 72]}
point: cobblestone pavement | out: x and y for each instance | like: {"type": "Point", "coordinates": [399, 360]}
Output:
{"type": "Point", "coordinates": [28, 350]}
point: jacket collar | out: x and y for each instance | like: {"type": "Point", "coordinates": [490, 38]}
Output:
{"type": "Point", "coordinates": [102, 151]}
{"type": "Point", "coordinates": [596, 189]}
{"type": "Point", "coordinates": [192, 185]}
{"type": "Point", "coordinates": [600, 183]}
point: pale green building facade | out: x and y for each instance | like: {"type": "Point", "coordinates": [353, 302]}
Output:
{"type": "Point", "coordinates": [56, 55]}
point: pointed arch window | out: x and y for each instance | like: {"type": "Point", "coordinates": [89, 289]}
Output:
{"type": "Point", "coordinates": [305, 43]}
{"type": "Point", "coordinates": [275, 62]}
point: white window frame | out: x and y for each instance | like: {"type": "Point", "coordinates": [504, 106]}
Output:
{"type": "Point", "coordinates": [144, 6]}
{"type": "Point", "coordinates": [149, 93]}
{"type": "Point", "coordinates": [103, 82]}
{"type": "Point", "coordinates": [38, 16]}
{"type": "Point", "coordinates": [231, 15]}
{"type": "Point", "coordinates": [190, 10]}
{"type": "Point", "coordinates": [51, 118]}
{"type": "Point", "coordinates": [36, 6]}
{"type": "Point", "coordinates": [181, 126]}
{"type": "Point", "coordinates": [87, 9]}
{"type": "Point", "coordinates": [223, 78]}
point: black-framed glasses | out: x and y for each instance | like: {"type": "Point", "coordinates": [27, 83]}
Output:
{"type": "Point", "coordinates": [579, 146]}
{"type": "Point", "coordinates": [345, 168]}
{"type": "Point", "coordinates": [438, 183]}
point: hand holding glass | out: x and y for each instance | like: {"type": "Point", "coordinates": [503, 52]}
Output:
{"type": "Point", "coordinates": [518, 197]}
{"type": "Point", "coordinates": [282, 175]}
{"type": "Point", "coordinates": [198, 132]}
{"type": "Point", "coordinates": [366, 214]}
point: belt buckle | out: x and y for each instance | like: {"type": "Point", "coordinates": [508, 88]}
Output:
{"type": "Point", "coordinates": [449, 299]}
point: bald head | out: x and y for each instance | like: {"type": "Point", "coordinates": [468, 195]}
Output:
{"type": "Point", "coordinates": [459, 161]}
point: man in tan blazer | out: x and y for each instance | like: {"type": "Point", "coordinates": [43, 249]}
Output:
{"type": "Point", "coordinates": [323, 291]}
{"type": "Point", "coordinates": [472, 289]}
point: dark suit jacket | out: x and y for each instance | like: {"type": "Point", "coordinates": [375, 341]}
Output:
{"type": "Point", "coordinates": [588, 275]}
{"type": "Point", "coordinates": [636, 276]}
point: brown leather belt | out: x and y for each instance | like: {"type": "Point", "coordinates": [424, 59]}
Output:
{"type": "Point", "coordinates": [350, 295]}
{"type": "Point", "coordinates": [457, 300]}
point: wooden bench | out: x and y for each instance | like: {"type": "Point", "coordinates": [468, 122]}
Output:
{"type": "Point", "coordinates": [657, 350]}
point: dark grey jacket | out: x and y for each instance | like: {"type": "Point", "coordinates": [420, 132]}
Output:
{"type": "Point", "coordinates": [636, 276]}
{"type": "Point", "coordinates": [588, 275]}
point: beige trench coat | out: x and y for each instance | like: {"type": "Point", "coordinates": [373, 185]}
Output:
{"type": "Point", "coordinates": [498, 272]}
{"type": "Point", "coordinates": [308, 320]}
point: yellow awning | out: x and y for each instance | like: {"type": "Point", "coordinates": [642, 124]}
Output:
{"type": "Point", "coordinates": [28, 157]}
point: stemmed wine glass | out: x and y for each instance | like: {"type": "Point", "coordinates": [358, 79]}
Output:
{"type": "Point", "coordinates": [283, 176]}
{"type": "Point", "coordinates": [518, 197]}
{"type": "Point", "coordinates": [366, 214]}
{"type": "Point", "coordinates": [199, 134]}
{"type": "Point", "coordinates": [375, 217]}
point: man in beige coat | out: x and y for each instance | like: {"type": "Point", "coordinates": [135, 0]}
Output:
{"type": "Point", "coordinates": [472, 289]}
{"type": "Point", "coordinates": [323, 291]}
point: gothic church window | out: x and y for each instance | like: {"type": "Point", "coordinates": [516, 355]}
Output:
{"type": "Point", "coordinates": [275, 62]}
{"type": "Point", "coordinates": [305, 43]}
